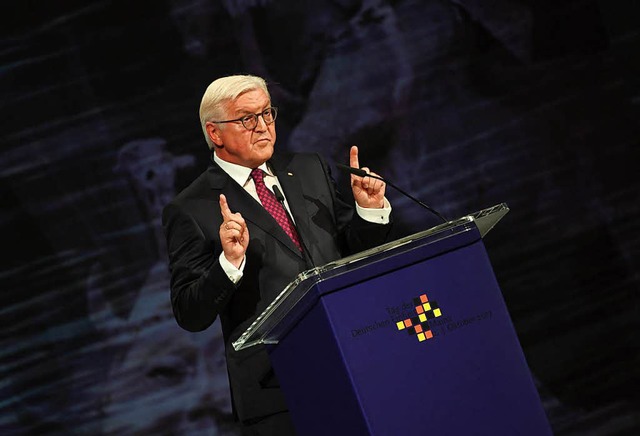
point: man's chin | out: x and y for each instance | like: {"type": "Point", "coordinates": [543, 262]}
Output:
{"type": "Point", "coordinates": [266, 150]}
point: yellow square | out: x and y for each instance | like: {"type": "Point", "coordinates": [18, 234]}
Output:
{"type": "Point", "coordinates": [426, 306]}
{"type": "Point", "coordinates": [421, 337]}
{"type": "Point", "coordinates": [422, 317]}
{"type": "Point", "coordinates": [437, 312]}
{"type": "Point", "coordinates": [400, 325]}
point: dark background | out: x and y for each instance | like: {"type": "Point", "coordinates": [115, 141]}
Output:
{"type": "Point", "coordinates": [463, 103]}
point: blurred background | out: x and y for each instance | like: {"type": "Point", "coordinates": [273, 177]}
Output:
{"type": "Point", "coordinates": [463, 103]}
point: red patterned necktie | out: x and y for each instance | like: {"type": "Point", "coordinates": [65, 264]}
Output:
{"type": "Point", "coordinates": [273, 206]}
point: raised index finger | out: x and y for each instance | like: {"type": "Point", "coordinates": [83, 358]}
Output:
{"type": "Point", "coordinates": [353, 157]}
{"type": "Point", "coordinates": [224, 207]}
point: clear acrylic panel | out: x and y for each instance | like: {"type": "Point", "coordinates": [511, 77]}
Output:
{"type": "Point", "coordinates": [260, 331]}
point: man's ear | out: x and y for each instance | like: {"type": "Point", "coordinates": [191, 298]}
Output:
{"type": "Point", "coordinates": [213, 130]}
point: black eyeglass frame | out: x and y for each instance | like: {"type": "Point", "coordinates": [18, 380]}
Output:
{"type": "Point", "coordinates": [253, 118]}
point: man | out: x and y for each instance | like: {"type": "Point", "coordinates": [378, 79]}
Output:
{"type": "Point", "coordinates": [229, 256]}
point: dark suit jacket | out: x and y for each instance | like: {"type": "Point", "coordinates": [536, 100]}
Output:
{"type": "Point", "coordinates": [201, 291]}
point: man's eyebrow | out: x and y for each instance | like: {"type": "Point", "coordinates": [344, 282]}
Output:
{"type": "Point", "coordinates": [241, 112]}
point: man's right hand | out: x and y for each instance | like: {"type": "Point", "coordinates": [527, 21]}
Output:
{"type": "Point", "coordinates": [234, 234]}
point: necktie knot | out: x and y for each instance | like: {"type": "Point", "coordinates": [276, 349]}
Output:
{"type": "Point", "coordinates": [257, 175]}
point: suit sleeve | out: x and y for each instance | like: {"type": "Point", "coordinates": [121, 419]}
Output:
{"type": "Point", "coordinates": [199, 286]}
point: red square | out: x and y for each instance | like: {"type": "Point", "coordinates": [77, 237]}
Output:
{"type": "Point", "coordinates": [418, 328]}
{"type": "Point", "coordinates": [407, 322]}
{"type": "Point", "coordinates": [419, 310]}
{"type": "Point", "coordinates": [424, 298]}
{"type": "Point", "coordinates": [428, 334]}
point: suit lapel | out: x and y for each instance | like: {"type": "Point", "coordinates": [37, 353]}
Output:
{"type": "Point", "coordinates": [241, 201]}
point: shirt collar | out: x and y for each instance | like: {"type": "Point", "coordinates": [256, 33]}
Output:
{"type": "Point", "coordinates": [237, 172]}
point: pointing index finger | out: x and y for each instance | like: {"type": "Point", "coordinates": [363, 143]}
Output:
{"type": "Point", "coordinates": [353, 157]}
{"type": "Point", "coordinates": [224, 207]}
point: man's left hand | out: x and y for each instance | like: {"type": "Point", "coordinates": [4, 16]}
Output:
{"type": "Point", "coordinates": [368, 192]}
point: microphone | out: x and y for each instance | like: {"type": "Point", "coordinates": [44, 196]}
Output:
{"type": "Point", "coordinates": [280, 197]}
{"type": "Point", "coordinates": [362, 173]}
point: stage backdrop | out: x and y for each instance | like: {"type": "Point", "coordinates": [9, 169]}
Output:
{"type": "Point", "coordinates": [463, 103]}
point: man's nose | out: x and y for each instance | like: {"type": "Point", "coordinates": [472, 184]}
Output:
{"type": "Point", "coordinates": [261, 125]}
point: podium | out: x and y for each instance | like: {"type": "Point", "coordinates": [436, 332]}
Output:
{"type": "Point", "coordinates": [409, 338]}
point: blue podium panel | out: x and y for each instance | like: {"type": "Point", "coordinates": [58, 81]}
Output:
{"type": "Point", "coordinates": [428, 348]}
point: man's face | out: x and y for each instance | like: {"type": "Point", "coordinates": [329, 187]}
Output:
{"type": "Point", "coordinates": [249, 148]}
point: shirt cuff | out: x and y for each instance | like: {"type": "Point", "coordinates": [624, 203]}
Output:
{"type": "Point", "coordinates": [234, 274]}
{"type": "Point", "coordinates": [378, 216]}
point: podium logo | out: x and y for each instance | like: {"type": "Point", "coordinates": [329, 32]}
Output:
{"type": "Point", "coordinates": [419, 325]}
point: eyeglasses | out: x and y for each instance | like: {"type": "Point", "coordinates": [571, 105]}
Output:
{"type": "Point", "coordinates": [250, 121]}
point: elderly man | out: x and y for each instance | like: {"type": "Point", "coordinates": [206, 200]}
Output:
{"type": "Point", "coordinates": [233, 246]}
